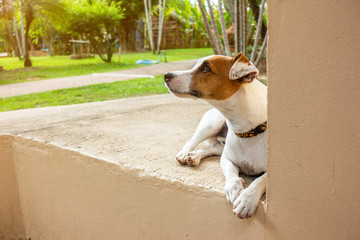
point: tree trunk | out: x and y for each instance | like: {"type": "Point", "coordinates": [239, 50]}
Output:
{"type": "Point", "coordinates": [129, 32]}
{"type": "Point", "coordinates": [262, 50]}
{"type": "Point", "coordinates": [215, 29]}
{"type": "Point", "coordinates": [109, 53]}
{"type": "Point", "coordinates": [161, 23]}
{"type": "Point", "coordinates": [31, 47]}
{"type": "Point", "coordinates": [245, 24]}
{"type": "Point", "coordinates": [148, 15]}
{"type": "Point", "coordinates": [99, 51]}
{"type": "Point", "coordinates": [255, 10]}
{"type": "Point", "coordinates": [17, 38]}
{"type": "Point", "coordinates": [96, 48]}
{"type": "Point", "coordinates": [230, 8]}
{"type": "Point", "coordinates": [236, 26]}
{"type": "Point", "coordinates": [13, 44]}
{"type": "Point", "coordinates": [242, 27]}
{"type": "Point", "coordinates": [207, 27]}
{"type": "Point", "coordinates": [258, 30]}
{"type": "Point", "coordinates": [22, 28]}
{"type": "Point", "coordinates": [27, 62]}
{"type": "Point", "coordinates": [223, 29]}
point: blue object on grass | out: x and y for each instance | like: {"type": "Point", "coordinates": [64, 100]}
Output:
{"type": "Point", "coordinates": [147, 61]}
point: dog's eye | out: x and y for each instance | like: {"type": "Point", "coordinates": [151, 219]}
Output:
{"type": "Point", "coordinates": [205, 69]}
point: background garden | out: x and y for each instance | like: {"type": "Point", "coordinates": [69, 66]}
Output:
{"type": "Point", "coordinates": [47, 39]}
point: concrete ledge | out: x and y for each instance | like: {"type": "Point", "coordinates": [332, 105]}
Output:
{"type": "Point", "coordinates": [101, 171]}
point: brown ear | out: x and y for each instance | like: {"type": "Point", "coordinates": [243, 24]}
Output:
{"type": "Point", "coordinates": [243, 70]}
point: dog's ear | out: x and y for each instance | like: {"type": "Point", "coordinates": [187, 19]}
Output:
{"type": "Point", "coordinates": [243, 70]}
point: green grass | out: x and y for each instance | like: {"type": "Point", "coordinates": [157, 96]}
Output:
{"type": "Point", "coordinates": [92, 93]}
{"type": "Point", "coordinates": [62, 66]}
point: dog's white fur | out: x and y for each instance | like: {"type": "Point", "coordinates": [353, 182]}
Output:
{"type": "Point", "coordinates": [243, 111]}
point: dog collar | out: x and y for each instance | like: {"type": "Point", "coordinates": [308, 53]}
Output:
{"type": "Point", "coordinates": [253, 132]}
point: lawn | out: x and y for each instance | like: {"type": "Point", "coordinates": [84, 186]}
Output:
{"type": "Point", "coordinates": [63, 66]}
{"type": "Point", "coordinates": [92, 93]}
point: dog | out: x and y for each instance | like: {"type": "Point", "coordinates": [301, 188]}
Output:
{"type": "Point", "coordinates": [235, 128]}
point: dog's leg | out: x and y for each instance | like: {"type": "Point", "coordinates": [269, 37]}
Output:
{"type": "Point", "coordinates": [214, 148]}
{"type": "Point", "coordinates": [210, 125]}
{"type": "Point", "coordinates": [248, 200]}
{"type": "Point", "coordinates": [233, 183]}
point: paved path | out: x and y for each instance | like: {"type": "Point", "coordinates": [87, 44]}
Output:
{"type": "Point", "coordinates": [69, 82]}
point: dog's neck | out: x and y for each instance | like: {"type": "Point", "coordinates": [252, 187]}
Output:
{"type": "Point", "coordinates": [246, 109]}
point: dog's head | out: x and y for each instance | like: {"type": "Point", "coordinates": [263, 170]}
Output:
{"type": "Point", "coordinates": [213, 77]}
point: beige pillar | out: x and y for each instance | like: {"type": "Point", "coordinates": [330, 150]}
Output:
{"type": "Point", "coordinates": [314, 118]}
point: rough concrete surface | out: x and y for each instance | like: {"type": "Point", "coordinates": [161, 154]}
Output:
{"type": "Point", "coordinates": [144, 133]}
{"type": "Point", "coordinates": [77, 81]}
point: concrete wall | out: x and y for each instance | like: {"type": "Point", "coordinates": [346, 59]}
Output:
{"type": "Point", "coordinates": [67, 195]}
{"type": "Point", "coordinates": [314, 102]}
{"type": "Point", "coordinates": [11, 221]}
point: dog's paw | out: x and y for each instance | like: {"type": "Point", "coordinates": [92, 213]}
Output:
{"type": "Point", "coordinates": [233, 188]}
{"type": "Point", "coordinates": [193, 159]}
{"type": "Point", "coordinates": [182, 157]}
{"type": "Point", "coordinates": [246, 203]}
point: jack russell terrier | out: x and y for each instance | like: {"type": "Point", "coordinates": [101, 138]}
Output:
{"type": "Point", "coordinates": [240, 117]}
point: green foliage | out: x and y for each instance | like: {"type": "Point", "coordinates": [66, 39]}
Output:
{"type": "Point", "coordinates": [50, 10]}
{"type": "Point", "coordinates": [190, 15]}
{"type": "Point", "coordinates": [95, 20]}
{"type": "Point", "coordinates": [3, 36]}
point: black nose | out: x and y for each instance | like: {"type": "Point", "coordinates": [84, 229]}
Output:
{"type": "Point", "coordinates": [168, 76]}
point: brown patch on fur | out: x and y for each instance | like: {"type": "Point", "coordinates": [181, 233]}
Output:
{"type": "Point", "coordinates": [216, 84]}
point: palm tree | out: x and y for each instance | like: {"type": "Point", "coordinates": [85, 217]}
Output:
{"type": "Point", "coordinates": [148, 15]}
{"type": "Point", "coordinates": [161, 23]}
{"type": "Point", "coordinates": [210, 30]}
{"type": "Point", "coordinates": [223, 29]}
{"type": "Point", "coordinates": [258, 31]}
{"type": "Point", "coordinates": [52, 10]}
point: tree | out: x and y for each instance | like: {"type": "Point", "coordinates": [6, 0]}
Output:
{"type": "Point", "coordinates": [148, 18]}
{"type": "Point", "coordinates": [53, 10]}
{"type": "Point", "coordinates": [240, 23]}
{"type": "Point", "coordinates": [215, 28]}
{"type": "Point", "coordinates": [128, 25]}
{"type": "Point", "coordinates": [223, 29]}
{"type": "Point", "coordinates": [161, 23]}
{"type": "Point", "coordinates": [5, 13]}
{"type": "Point", "coordinates": [258, 31]}
{"type": "Point", "coordinates": [209, 29]}
{"type": "Point", "coordinates": [19, 41]}
{"type": "Point", "coordinates": [255, 8]}
{"type": "Point", "coordinates": [96, 20]}
{"type": "Point", "coordinates": [191, 16]}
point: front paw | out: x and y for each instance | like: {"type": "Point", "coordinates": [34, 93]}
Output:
{"type": "Point", "coordinates": [193, 159]}
{"type": "Point", "coordinates": [182, 157]}
{"type": "Point", "coordinates": [233, 188]}
{"type": "Point", "coordinates": [245, 204]}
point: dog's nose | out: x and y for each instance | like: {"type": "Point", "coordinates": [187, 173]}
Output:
{"type": "Point", "coordinates": [168, 76]}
